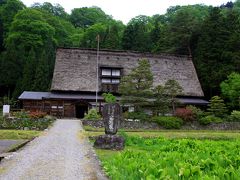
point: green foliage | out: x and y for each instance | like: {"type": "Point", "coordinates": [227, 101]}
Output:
{"type": "Point", "coordinates": [162, 101]}
{"type": "Point", "coordinates": [21, 114]}
{"type": "Point", "coordinates": [18, 134]}
{"type": "Point", "coordinates": [109, 98]}
{"type": "Point", "coordinates": [136, 36]}
{"type": "Point", "coordinates": [235, 116]}
{"type": "Point", "coordinates": [217, 107]}
{"type": "Point", "coordinates": [173, 88]}
{"type": "Point", "coordinates": [168, 122]}
{"type": "Point", "coordinates": [214, 61]}
{"type": "Point", "coordinates": [135, 87]}
{"type": "Point", "coordinates": [55, 10]}
{"type": "Point", "coordinates": [197, 112]}
{"type": "Point", "coordinates": [88, 16]}
{"type": "Point", "coordinates": [92, 115]}
{"type": "Point", "coordinates": [142, 116]}
{"type": "Point", "coordinates": [159, 158]}
{"type": "Point", "coordinates": [210, 119]}
{"type": "Point", "coordinates": [231, 90]}
{"type": "Point", "coordinates": [23, 121]}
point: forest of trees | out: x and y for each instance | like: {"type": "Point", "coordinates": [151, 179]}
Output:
{"type": "Point", "coordinates": [29, 37]}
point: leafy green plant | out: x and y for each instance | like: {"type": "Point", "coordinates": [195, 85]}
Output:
{"type": "Point", "coordinates": [210, 119]}
{"type": "Point", "coordinates": [159, 158]}
{"type": "Point", "coordinates": [235, 116]}
{"type": "Point", "coordinates": [109, 98]}
{"type": "Point", "coordinates": [92, 115]}
{"type": "Point", "coordinates": [168, 122]}
{"type": "Point", "coordinates": [217, 107]}
{"type": "Point", "coordinates": [197, 112]}
{"type": "Point", "coordinates": [21, 114]}
{"type": "Point", "coordinates": [142, 116]}
{"type": "Point", "coordinates": [22, 123]}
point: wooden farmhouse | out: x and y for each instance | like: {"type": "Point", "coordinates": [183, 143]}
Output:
{"type": "Point", "coordinates": [74, 82]}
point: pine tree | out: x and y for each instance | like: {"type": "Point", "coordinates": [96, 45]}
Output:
{"type": "Point", "coordinates": [135, 87]}
{"type": "Point", "coordinates": [173, 89]}
{"type": "Point", "coordinates": [217, 106]}
{"type": "Point", "coordinates": [29, 72]}
{"type": "Point", "coordinates": [161, 102]}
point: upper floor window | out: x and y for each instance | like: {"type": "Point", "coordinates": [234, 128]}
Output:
{"type": "Point", "coordinates": [110, 75]}
{"type": "Point", "coordinates": [111, 72]}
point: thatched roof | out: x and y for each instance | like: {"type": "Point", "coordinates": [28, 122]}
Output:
{"type": "Point", "coordinates": [75, 69]}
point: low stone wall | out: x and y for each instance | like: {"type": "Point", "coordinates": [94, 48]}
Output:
{"type": "Point", "coordinates": [155, 126]}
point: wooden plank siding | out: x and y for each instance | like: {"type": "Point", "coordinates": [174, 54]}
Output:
{"type": "Point", "coordinates": [57, 108]}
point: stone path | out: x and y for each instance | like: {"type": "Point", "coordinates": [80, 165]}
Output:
{"type": "Point", "coordinates": [61, 153]}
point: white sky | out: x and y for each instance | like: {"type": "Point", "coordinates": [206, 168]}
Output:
{"type": "Point", "coordinates": [124, 10]}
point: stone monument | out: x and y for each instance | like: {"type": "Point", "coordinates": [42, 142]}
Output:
{"type": "Point", "coordinates": [112, 116]}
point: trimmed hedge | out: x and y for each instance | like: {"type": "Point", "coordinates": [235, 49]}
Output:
{"type": "Point", "coordinates": [209, 119]}
{"type": "Point", "coordinates": [168, 122]}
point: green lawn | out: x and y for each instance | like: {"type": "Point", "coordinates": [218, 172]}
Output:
{"type": "Point", "coordinates": [18, 134]}
{"type": "Point", "coordinates": [193, 134]}
{"type": "Point", "coordinates": [174, 154]}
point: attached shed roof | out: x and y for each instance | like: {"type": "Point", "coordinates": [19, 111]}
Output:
{"type": "Point", "coordinates": [193, 101]}
{"type": "Point", "coordinates": [75, 69]}
{"type": "Point", "coordinates": [28, 95]}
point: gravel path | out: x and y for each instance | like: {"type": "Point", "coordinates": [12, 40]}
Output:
{"type": "Point", "coordinates": [61, 153]}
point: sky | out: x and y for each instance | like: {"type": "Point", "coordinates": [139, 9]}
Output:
{"type": "Point", "coordinates": [125, 10]}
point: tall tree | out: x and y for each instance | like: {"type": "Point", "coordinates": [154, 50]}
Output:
{"type": "Point", "coordinates": [29, 31]}
{"type": "Point", "coordinates": [55, 10]}
{"type": "Point", "coordinates": [29, 72]}
{"type": "Point", "coordinates": [161, 101]}
{"type": "Point", "coordinates": [8, 9]}
{"type": "Point", "coordinates": [86, 17]}
{"type": "Point", "coordinates": [42, 74]}
{"type": "Point", "coordinates": [173, 89]}
{"type": "Point", "coordinates": [215, 55]}
{"type": "Point", "coordinates": [136, 36]}
{"type": "Point", "coordinates": [231, 90]}
{"type": "Point", "coordinates": [136, 87]}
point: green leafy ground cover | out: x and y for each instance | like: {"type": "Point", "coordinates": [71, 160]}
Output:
{"type": "Point", "coordinates": [174, 155]}
{"type": "Point", "coordinates": [179, 134]}
{"type": "Point", "coordinates": [18, 134]}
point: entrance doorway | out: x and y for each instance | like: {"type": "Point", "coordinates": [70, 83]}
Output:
{"type": "Point", "coordinates": [81, 109]}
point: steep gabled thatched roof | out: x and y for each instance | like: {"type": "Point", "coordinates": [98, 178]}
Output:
{"type": "Point", "coordinates": [75, 69]}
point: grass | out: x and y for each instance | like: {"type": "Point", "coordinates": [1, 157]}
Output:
{"type": "Point", "coordinates": [171, 134]}
{"type": "Point", "coordinates": [18, 134]}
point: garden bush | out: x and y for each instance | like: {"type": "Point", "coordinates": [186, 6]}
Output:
{"type": "Point", "coordinates": [37, 114]}
{"type": "Point", "coordinates": [168, 122]}
{"type": "Point", "coordinates": [92, 115]}
{"type": "Point", "coordinates": [210, 119]}
{"type": "Point", "coordinates": [142, 116]}
{"type": "Point", "coordinates": [21, 114]}
{"type": "Point", "coordinates": [29, 123]}
{"type": "Point", "coordinates": [185, 114]}
{"type": "Point", "coordinates": [197, 112]}
{"type": "Point", "coordinates": [235, 116]}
